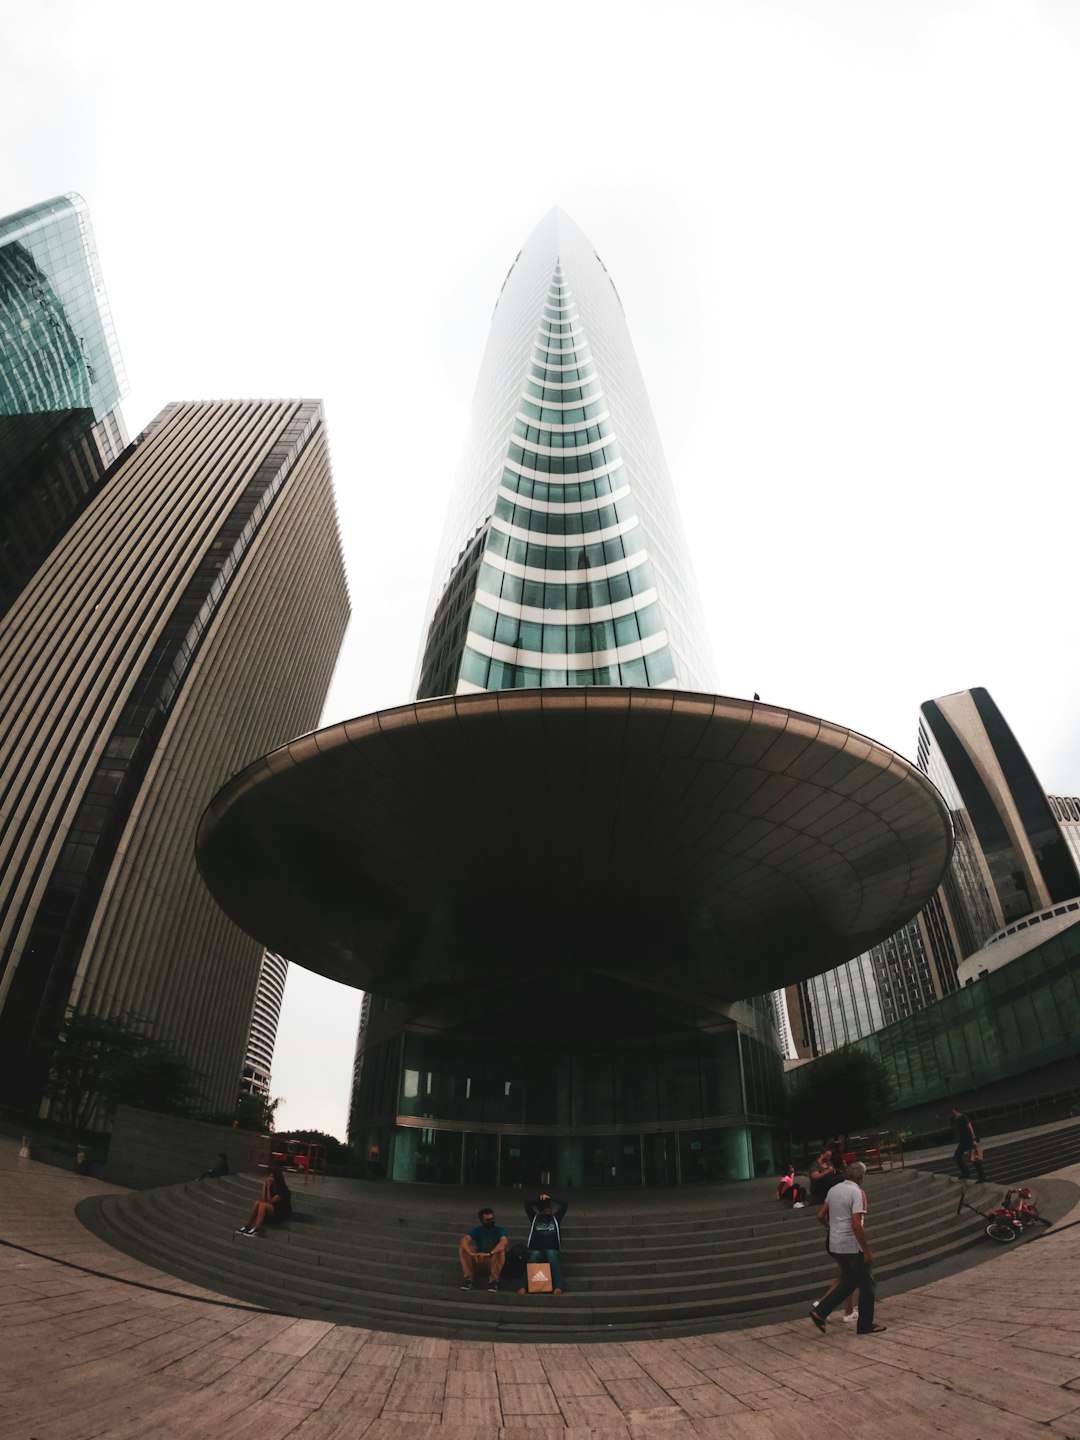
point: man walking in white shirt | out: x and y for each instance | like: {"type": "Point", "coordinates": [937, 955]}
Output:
{"type": "Point", "coordinates": [843, 1212]}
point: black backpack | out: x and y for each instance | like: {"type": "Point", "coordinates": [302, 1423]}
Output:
{"type": "Point", "coordinates": [516, 1258]}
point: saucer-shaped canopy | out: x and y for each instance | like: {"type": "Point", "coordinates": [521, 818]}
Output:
{"type": "Point", "coordinates": [710, 847]}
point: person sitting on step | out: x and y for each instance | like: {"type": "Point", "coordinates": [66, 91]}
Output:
{"type": "Point", "coordinates": [789, 1191]}
{"type": "Point", "coordinates": [545, 1237]}
{"type": "Point", "coordinates": [273, 1207]}
{"type": "Point", "coordinates": [482, 1252]}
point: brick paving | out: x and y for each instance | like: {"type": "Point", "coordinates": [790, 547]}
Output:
{"type": "Point", "coordinates": [992, 1353]}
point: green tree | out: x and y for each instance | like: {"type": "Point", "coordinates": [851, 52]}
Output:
{"type": "Point", "coordinates": [337, 1153]}
{"type": "Point", "coordinates": [844, 1091]}
{"type": "Point", "coordinates": [99, 1062]}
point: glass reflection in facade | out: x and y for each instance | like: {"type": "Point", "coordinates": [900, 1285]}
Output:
{"type": "Point", "coordinates": [61, 381]}
{"type": "Point", "coordinates": [1019, 1018]}
{"type": "Point", "coordinates": [563, 560]}
{"type": "Point", "coordinates": [1014, 854]}
{"type": "Point", "coordinates": [476, 1105]}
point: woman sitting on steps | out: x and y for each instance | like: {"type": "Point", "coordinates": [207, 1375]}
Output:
{"type": "Point", "coordinates": [273, 1207]}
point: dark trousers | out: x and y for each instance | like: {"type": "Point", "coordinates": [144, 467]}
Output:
{"type": "Point", "coordinates": [855, 1274]}
{"type": "Point", "coordinates": [960, 1155]}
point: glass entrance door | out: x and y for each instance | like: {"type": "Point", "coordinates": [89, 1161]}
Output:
{"type": "Point", "coordinates": [480, 1159]}
{"type": "Point", "coordinates": [661, 1164]}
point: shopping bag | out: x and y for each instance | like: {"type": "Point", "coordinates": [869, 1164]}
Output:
{"type": "Point", "coordinates": [539, 1278]}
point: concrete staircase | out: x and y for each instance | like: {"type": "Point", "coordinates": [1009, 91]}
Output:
{"type": "Point", "coordinates": [1015, 1161]}
{"type": "Point", "coordinates": [637, 1264]}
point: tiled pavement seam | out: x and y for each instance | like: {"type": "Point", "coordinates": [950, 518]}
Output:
{"type": "Point", "coordinates": [991, 1352]}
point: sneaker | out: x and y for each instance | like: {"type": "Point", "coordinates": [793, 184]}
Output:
{"type": "Point", "coordinates": [467, 1285]}
{"type": "Point", "coordinates": [819, 1320]}
{"type": "Point", "coordinates": [243, 1230]}
{"type": "Point", "coordinates": [850, 1319]}
{"type": "Point", "coordinates": [492, 1285]}
{"type": "Point", "coordinates": [798, 1205]}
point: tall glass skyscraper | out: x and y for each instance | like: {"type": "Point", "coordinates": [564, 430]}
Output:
{"type": "Point", "coordinates": [563, 558]}
{"type": "Point", "coordinates": [61, 381]}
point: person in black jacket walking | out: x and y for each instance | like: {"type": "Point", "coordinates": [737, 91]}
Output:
{"type": "Point", "coordinates": [545, 1236]}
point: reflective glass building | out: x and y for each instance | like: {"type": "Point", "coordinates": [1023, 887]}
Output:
{"type": "Point", "coordinates": [564, 563]}
{"type": "Point", "coordinates": [1015, 858]}
{"type": "Point", "coordinates": [61, 381]}
{"type": "Point", "coordinates": [563, 560]}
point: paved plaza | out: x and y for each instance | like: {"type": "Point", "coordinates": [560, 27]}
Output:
{"type": "Point", "coordinates": [96, 1344]}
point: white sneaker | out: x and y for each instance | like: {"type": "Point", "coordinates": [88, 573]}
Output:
{"type": "Point", "coordinates": [850, 1319]}
{"type": "Point", "coordinates": [798, 1205]}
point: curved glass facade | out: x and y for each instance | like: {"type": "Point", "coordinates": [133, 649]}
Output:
{"type": "Point", "coordinates": [1021, 1017]}
{"type": "Point", "coordinates": [563, 561]}
{"type": "Point", "coordinates": [682, 1107]}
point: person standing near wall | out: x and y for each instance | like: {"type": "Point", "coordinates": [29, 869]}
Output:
{"type": "Point", "coordinates": [967, 1146]}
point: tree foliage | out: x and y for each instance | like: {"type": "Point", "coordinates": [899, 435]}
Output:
{"type": "Point", "coordinates": [845, 1091]}
{"type": "Point", "coordinates": [99, 1062]}
{"type": "Point", "coordinates": [337, 1153]}
{"type": "Point", "coordinates": [252, 1112]}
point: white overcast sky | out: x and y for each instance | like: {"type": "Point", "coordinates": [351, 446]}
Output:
{"type": "Point", "coordinates": [846, 237]}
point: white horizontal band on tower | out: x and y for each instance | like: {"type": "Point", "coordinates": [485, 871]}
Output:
{"type": "Point", "coordinates": [592, 379]}
{"type": "Point", "coordinates": [556, 660]}
{"type": "Point", "coordinates": [562, 349]}
{"type": "Point", "coordinates": [565, 577]}
{"type": "Point", "coordinates": [543, 401]}
{"type": "Point", "coordinates": [564, 542]}
{"type": "Point", "coordinates": [555, 426]}
{"type": "Point", "coordinates": [552, 616]}
{"type": "Point", "coordinates": [537, 449]}
{"type": "Point", "coordinates": [564, 507]}
{"type": "Point", "coordinates": [570, 478]}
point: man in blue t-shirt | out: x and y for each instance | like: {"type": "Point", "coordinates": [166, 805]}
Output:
{"type": "Point", "coordinates": [482, 1252]}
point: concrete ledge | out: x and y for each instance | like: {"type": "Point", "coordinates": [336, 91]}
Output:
{"type": "Point", "coordinates": [148, 1149]}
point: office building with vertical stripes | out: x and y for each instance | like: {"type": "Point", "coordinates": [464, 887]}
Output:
{"type": "Point", "coordinates": [265, 1013]}
{"type": "Point", "coordinates": [189, 618]}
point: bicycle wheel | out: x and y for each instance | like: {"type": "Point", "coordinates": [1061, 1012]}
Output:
{"type": "Point", "coordinates": [999, 1231]}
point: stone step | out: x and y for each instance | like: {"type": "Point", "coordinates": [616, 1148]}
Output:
{"type": "Point", "coordinates": [718, 1227]}
{"type": "Point", "coordinates": [511, 1316]}
{"type": "Point", "coordinates": [1018, 1161]}
{"type": "Point", "coordinates": [319, 1267]}
{"type": "Point", "coordinates": [352, 1251]}
{"type": "Point", "coordinates": [352, 1247]}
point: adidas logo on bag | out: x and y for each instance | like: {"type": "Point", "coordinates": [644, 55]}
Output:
{"type": "Point", "coordinates": [539, 1276]}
